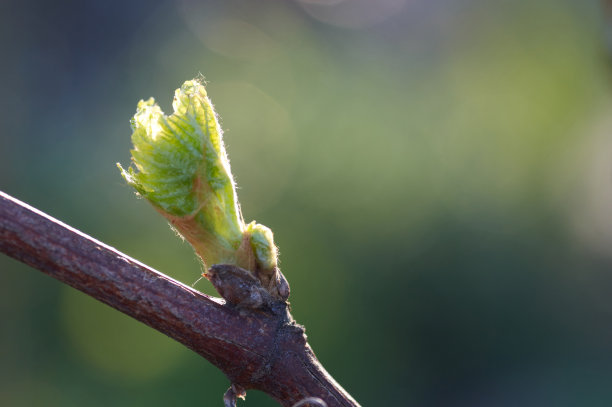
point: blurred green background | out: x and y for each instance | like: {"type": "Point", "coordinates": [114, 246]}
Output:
{"type": "Point", "coordinates": [438, 176]}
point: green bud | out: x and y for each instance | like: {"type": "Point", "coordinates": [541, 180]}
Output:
{"type": "Point", "coordinates": [183, 170]}
{"type": "Point", "coordinates": [262, 243]}
{"type": "Point", "coordinates": [181, 167]}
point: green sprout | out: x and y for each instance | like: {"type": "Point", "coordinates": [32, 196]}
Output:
{"type": "Point", "coordinates": [182, 169]}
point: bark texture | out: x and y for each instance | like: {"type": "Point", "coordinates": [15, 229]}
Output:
{"type": "Point", "coordinates": [255, 349]}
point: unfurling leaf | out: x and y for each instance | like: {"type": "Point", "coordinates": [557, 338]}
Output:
{"type": "Point", "coordinates": [182, 168]}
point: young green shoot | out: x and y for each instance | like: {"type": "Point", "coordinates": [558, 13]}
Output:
{"type": "Point", "coordinates": [181, 167]}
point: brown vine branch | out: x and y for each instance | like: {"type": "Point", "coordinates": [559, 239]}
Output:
{"type": "Point", "coordinates": [255, 350]}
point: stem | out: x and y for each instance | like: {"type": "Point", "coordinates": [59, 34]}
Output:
{"type": "Point", "coordinates": [255, 350]}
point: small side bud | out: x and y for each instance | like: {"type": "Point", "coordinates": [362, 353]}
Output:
{"type": "Point", "coordinates": [262, 242]}
{"type": "Point", "coordinates": [282, 286]}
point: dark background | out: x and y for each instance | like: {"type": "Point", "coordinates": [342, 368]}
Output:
{"type": "Point", "coordinates": [438, 175]}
